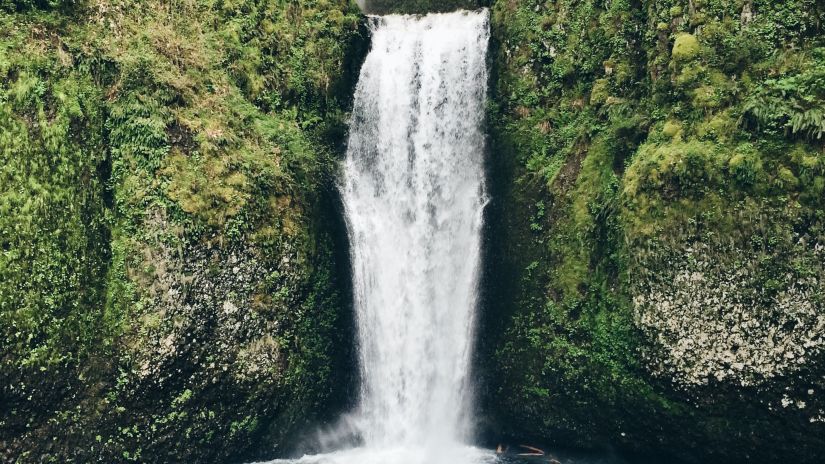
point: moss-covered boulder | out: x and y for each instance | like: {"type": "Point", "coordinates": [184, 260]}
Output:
{"type": "Point", "coordinates": [685, 47]}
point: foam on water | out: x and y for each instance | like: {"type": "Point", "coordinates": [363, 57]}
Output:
{"type": "Point", "coordinates": [397, 455]}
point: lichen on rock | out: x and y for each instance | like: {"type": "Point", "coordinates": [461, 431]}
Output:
{"type": "Point", "coordinates": [709, 314]}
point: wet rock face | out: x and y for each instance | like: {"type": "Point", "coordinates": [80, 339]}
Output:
{"type": "Point", "coordinates": [228, 341]}
{"type": "Point", "coordinates": [208, 309]}
{"type": "Point", "coordinates": [723, 313]}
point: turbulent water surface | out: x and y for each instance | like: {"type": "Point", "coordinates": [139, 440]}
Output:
{"type": "Point", "coordinates": [414, 194]}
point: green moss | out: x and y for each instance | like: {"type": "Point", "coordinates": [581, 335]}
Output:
{"type": "Point", "coordinates": [671, 128]}
{"type": "Point", "coordinates": [721, 127]}
{"type": "Point", "coordinates": [685, 48]}
{"type": "Point", "coordinates": [53, 227]}
{"type": "Point", "coordinates": [600, 92]}
{"type": "Point", "coordinates": [786, 179]}
{"type": "Point", "coordinates": [746, 166]}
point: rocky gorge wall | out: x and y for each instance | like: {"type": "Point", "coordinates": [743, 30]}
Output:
{"type": "Point", "coordinates": [416, 6]}
{"type": "Point", "coordinates": [655, 276]}
{"type": "Point", "coordinates": [172, 279]}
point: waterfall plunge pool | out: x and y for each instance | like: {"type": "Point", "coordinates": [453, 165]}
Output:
{"type": "Point", "coordinates": [456, 455]}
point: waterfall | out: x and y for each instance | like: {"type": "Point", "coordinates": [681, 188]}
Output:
{"type": "Point", "coordinates": [413, 192]}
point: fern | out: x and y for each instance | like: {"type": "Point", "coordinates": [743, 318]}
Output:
{"type": "Point", "coordinates": [793, 103]}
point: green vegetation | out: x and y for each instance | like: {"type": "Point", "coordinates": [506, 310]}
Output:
{"type": "Point", "coordinates": [168, 289]}
{"type": "Point", "coordinates": [648, 130]}
{"type": "Point", "coordinates": [685, 47]}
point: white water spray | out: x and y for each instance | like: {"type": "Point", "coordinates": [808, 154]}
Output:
{"type": "Point", "coordinates": [413, 193]}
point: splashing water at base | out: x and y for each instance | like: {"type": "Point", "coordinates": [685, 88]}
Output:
{"type": "Point", "coordinates": [413, 194]}
{"type": "Point", "coordinates": [399, 455]}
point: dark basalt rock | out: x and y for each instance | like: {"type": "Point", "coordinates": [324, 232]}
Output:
{"type": "Point", "coordinates": [417, 6]}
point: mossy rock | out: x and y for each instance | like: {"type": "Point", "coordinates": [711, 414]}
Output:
{"type": "Point", "coordinates": [685, 48]}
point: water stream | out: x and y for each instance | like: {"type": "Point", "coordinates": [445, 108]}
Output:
{"type": "Point", "coordinates": [413, 192]}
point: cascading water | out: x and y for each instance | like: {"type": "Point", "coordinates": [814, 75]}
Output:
{"type": "Point", "coordinates": [413, 193]}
